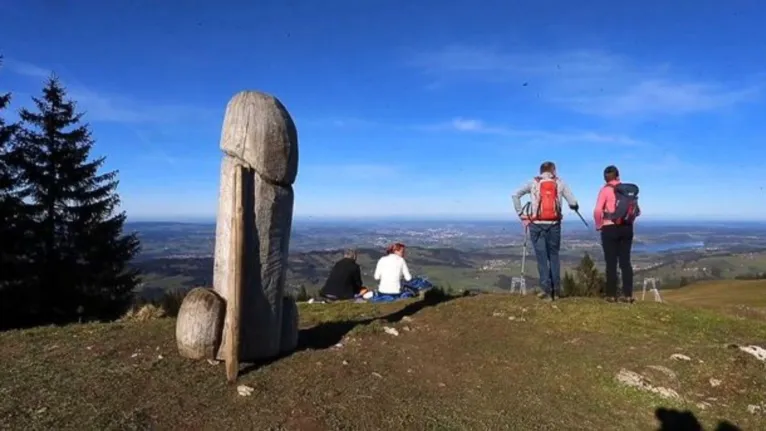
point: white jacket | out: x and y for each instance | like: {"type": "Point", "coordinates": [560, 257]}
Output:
{"type": "Point", "coordinates": [389, 271]}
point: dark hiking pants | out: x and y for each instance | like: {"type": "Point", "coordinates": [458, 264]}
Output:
{"type": "Point", "coordinates": [546, 240]}
{"type": "Point", "coordinates": [617, 241]}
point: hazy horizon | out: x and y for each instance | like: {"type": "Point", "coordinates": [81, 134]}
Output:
{"type": "Point", "coordinates": [512, 220]}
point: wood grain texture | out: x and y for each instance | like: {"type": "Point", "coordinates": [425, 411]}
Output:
{"type": "Point", "coordinates": [259, 136]}
{"type": "Point", "coordinates": [199, 324]}
{"type": "Point", "coordinates": [233, 304]}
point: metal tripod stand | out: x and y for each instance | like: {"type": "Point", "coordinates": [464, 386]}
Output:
{"type": "Point", "coordinates": [520, 282]}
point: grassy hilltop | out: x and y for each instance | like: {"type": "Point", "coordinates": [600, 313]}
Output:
{"type": "Point", "coordinates": [485, 362]}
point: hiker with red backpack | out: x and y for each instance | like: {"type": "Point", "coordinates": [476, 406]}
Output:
{"type": "Point", "coordinates": [542, 217]}
{"type": "Point", "coordinates": [616, 210]}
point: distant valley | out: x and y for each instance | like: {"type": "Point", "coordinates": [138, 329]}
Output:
{"type": "Point", "coordinates": [458, 255]}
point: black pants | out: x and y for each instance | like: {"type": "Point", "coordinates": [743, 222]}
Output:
{"type": "Point", "coordinates": [617, 242]}
{"type": "Point", "coordinates": [338, 294]}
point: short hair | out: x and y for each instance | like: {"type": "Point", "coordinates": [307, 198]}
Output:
{"type": "Point", "coordinates": [611, 173]}
{"type": "Point", "coordinates": [547, 167]}
{"type": "Point", "coordinates": [350, 253]}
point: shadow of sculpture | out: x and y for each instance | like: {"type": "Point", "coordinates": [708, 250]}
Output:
{"type": "Point", "coordinates": [328, 334]}
{"type": "Point", "coordinates": [676, 420]}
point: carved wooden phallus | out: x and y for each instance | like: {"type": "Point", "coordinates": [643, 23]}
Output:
{"type": "Point", "coordinates": [259, 137]}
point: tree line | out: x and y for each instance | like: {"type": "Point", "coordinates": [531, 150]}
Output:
{"type": "Point", "coordinates": [753, 276]}
{"type": "Point", "coordinates": [63, 254]}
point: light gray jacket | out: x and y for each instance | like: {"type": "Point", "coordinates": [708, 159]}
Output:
{"type": "Point", "coordinates": [532, 188]}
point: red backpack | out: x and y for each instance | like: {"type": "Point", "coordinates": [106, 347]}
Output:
{"type": "Point", "coordinates": [548, 205]}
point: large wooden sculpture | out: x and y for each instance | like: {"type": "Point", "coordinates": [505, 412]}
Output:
{"type": "Point", "coordinates": [259, 138]}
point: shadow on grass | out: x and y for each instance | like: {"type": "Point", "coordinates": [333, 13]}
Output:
{"type": "Point", "coordinates": [675, 420]}
{"type": "Point", "coordinates": [328, 334]}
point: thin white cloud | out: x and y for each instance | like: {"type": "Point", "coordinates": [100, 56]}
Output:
{"type": "Point", "coordinates": [648, 165]}
{"type": "Point", "coordinates": [350, 171]}
{"type": "Point", "coordinates": [129, 113]}
{"type": "Point", "coordinates": [351, 122]}
{"type": "Point", "coordinates": [153, 151]}
{"type": "Point", "coordinates": [587, 81]}
{"type": "Point", "coordinates": [27, 69]}
{"type": "Point", "coordinates": [338, 122]}
{"type": "Point", "coordinates": [469, 125]}
{"type": "Point", "coordinates": [102, 106]}
{"type": "Point", "coordinates": [465, 125]}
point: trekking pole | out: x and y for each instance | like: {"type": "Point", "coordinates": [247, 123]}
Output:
{"type": "Point", "coordinates": [582, 218]}
{"type": "Point", "coordinates": [550, 274]}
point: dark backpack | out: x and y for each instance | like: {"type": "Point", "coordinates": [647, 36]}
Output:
{"type": "Point", "coordinates": [626, 204]}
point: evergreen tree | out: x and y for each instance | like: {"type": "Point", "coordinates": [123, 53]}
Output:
{"type": "Point", "coordinates": [80, 254]}
{"type": "Point", "coordinates": [589, 281]}
{"type": "Point", "coordinates": [569, 285]}
{"type": "Point", "coordinates": [10, 210]}
{"type": "Point", "coordinates": [7, 181]}
{"type": "Point", "coordinates": [716, 272]}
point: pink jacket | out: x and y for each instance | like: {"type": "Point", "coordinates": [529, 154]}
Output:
{"type": "Point", "coordinates": [605, 203]}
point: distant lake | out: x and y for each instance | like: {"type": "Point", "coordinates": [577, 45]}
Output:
{"type": "Point", "coordinates": [671, 246]}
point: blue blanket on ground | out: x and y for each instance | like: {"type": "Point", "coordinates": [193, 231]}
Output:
{"type": "Point", "coordinates": [410, 289]}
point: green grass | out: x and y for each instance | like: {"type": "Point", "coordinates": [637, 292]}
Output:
{"type": "Point", "coordinates": [483, 362]}
{"type": "Point", "coordinates": [744, 299]}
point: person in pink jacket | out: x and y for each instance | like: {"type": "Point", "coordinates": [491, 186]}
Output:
{"type": "Point", "coordinates": [615, 212]}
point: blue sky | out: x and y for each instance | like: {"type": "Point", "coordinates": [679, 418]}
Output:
{"type": "Point", "coordinates": [415, 108]}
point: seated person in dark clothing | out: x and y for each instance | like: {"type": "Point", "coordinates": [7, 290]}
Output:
{"type": "Point", "coordinates": [345, 279]}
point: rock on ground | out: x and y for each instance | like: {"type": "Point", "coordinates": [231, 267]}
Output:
{"type": "Point", "coordinates": [635, 380]}
{"type": "Point", "coordinates": [757, 351]}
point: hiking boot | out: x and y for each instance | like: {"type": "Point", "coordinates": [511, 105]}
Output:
{"type": "Point", "coordinates": [610, 299]}
{"type": "Point", "coordinates": [626, 300]}
{"type": "Point", "coordinates": [543, 295]}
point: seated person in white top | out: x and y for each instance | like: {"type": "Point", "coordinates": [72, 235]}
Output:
{"type": "Point", "coordinates": [390, 270]}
